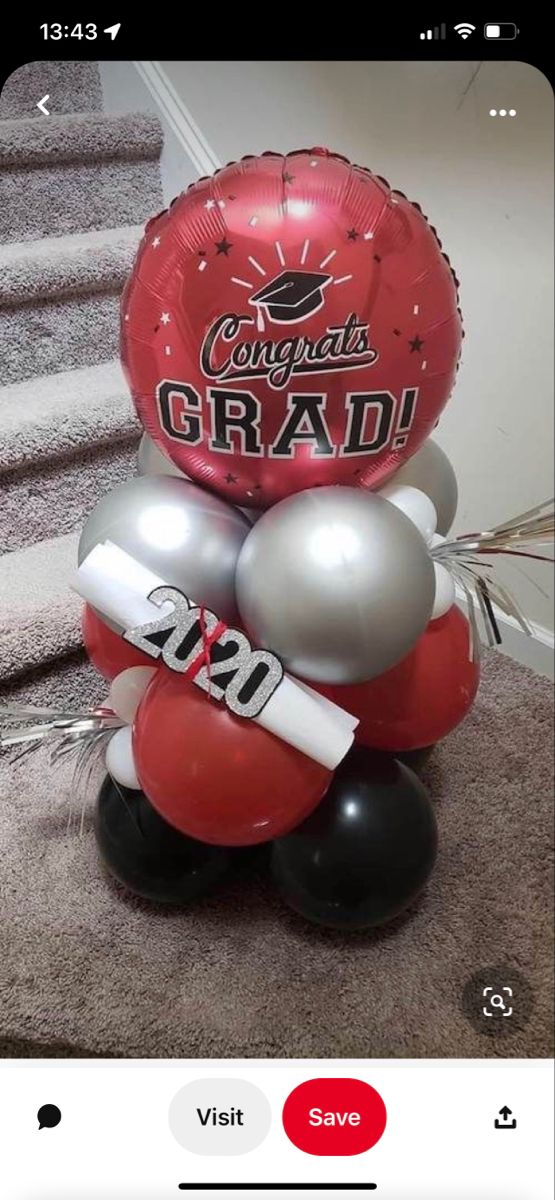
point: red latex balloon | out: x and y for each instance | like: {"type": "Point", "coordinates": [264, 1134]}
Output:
{"type": "Point", "coordinates": [421, 699]}
{"type": "Point", "coordinates": [290, 321]}
{"type": "Point", "coordinates": [107, 650]}
{"type": "Point", "coordinates": [215, 776]}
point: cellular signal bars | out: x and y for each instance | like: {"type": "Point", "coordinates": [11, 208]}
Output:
{"type": "Point", "coordinates": [438, 33]}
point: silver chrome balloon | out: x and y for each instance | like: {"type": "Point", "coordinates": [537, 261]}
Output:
{"type": "Point", "coordinates": [431, 471]}
{"type": "Point", "coordinates": [337, 582]}
{"type": "Point", "coordinates": [152, 461]}
{"type": "Point", "coordinates": [188, 536]}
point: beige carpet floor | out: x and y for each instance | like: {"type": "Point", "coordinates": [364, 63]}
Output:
{"type": "Point", "coordinates": [86, 969]}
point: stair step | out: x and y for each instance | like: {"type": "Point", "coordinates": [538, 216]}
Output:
{"type": "Point", "coordinates": [58, 415]}
{"type": "Point", "coordinates": [52, 499]}
{"type": "Point", "coordinates": [75, 173]}
{"type": "Point", "coordinates": [58, 335]}
{"type": "Point", "coordinates": [72, 287]}
{"type": "Point", "coordinates": [66, 199]}
{"type": "Point", "coordinates": [58, 267]}
{"type": "Point", "coordinates": [95, 137]}
{"type": "Point", "coordinates": [69, 682]}
{"type": "Point", "coordinates": [72, 86]}
{"type": "Point", "coordinates": [65, 441]}
{"type": "Point", "coordinates": [39, 614]}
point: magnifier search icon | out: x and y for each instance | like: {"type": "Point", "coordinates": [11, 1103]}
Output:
{"type": "Point", "coordinates": [496, 1000]}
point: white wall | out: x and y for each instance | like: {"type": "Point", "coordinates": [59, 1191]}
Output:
{"type": "Point", "coordinates": [124, 90]}
{"type": "Point", "coordinates": [486, 184]}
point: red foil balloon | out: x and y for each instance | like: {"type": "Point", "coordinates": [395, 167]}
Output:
{"type": "Point", "coordinates": [421, 699]}
{"type": "Point", "coordinates": [107, 650]}
{"type": "Point", "coordinates": [290, 321]}
{"type": "Point", "coordinates": [217, 777]}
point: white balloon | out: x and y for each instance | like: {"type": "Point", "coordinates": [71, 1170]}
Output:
{"type": "Point", "coordinates": [127, 691]}
{"type": "Point", "coordinates": [445, 592]}
{"type": "Point", "coordinates": [416, 505]}
{"type": "Point", "coordinates": [119, 759]}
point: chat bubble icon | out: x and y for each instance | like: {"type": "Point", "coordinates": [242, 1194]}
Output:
{"type": "Point", "coordinates": [49, 1116]}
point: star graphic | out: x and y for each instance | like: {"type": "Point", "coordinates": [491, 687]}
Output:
{"type": "Point", "coordinates": [232, 197]}
{"type": "Point", "coordinates": [352, 235]}
{"type": "Point", "coordinates": [397, 332]}
{"type": "Point", "coordinates": [155, 242]}
{"type": "Point", "coordinates": [223, 247]}
{"type": "Point", "coordinates": [287, 178]}
{"type": "Point", "coordinates": [202, 253]}
{"type": "Point", "coordinates": [358, 471]}
{"type": "Point", "coordinates": [210, 204]}
{"type": "Point", "coordinates": [415, 343]}
{"type": "Point", "coordinates": [377, 258]}
{"type": "Point", "coordinates": [230, 478]}
{"type": "Point", "coordinates": [258, 487]}
{"type": "Point", "coordinates": [165, 318]}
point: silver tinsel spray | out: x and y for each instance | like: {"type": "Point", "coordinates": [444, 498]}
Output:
{"type": "Point", "coordinates": [523, 536]}
{"type": "Point", "coordinates": [78, 736]}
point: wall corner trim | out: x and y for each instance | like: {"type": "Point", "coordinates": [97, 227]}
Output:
{"type": "Point", "coordinates": [175, 113]}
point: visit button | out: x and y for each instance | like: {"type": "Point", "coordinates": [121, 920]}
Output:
{"type": "Point", "coordinates": [334, 1116]}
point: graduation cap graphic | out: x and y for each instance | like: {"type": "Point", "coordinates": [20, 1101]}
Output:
{"type": "Point", "coordinates": [292, 295]}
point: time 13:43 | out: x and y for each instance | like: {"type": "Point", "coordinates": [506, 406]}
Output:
{"type": "Point", "coordinates": [54, 31]}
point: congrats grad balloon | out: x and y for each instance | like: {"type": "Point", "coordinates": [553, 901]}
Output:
{"type": "Point", "coordinates": [290, 322]}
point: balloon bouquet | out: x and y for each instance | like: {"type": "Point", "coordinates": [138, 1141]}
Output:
{"type": "Point", "coordinates": [273, 597]}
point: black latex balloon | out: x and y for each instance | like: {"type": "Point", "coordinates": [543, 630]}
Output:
{"type": "Point", "coordinates": [415, 759]}
{"type": "Point", "coordinates": [147, 855]}
{"type": "Point", "coordinates": [366, 851]}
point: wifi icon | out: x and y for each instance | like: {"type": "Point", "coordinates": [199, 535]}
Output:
{"type": "Point", "coordinates": [464, 29]}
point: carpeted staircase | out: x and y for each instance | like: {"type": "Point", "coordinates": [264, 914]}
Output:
{"type": "Point", "coordinates": [76, 188]}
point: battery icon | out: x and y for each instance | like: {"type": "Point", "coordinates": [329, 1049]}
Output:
{"type": "Point", "coordinates": [503, 31]}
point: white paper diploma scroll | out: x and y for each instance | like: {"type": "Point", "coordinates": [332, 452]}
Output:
{"type": "Point", "coordinates": [118, 586]}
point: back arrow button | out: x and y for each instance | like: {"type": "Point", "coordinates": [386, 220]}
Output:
{"type": "Point", "coordinates": [42, 105]}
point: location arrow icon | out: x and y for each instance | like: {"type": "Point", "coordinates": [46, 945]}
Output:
{"type": "Point", "coordinates": [113, 30]}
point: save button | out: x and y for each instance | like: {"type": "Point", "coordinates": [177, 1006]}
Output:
{"type": "Point", "coordinates": [334, 1116]}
